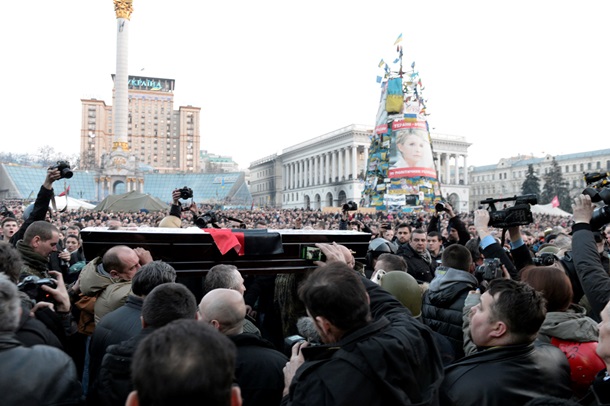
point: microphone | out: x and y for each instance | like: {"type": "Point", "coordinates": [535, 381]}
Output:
{"type": "Point", "coordinates": [307, 329]}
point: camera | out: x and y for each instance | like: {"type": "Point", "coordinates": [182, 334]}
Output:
{"type": "Point", "coordinates": [490, 269]}
{"type": "Point", "coordinates": [350, 206]}
{"type": "Point", "coordinates": [440, 206]}
{"type": "Point", "coordinates": [186, 193]}
{"type": "Point", "coordinates": [207, 218]}
{"type": "Point", "coordinates": [311, 253]}
{"type": "Point", "coordinates": [64, 169]}
{"type": "Point", "coordinates": [545, 259]}
{"type": "Point", "coordinates": [519, 214]}
{"type": "Point", "coordinates": [598, 190]}
{"type": "Point", "coordinates": [31, 285]}
{"type": "Point", "coordinates": [290, 341]}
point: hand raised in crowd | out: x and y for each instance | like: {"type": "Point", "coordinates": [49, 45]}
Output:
{"type": "Point", "coordinates": [481, 222]}
{"type": "Point", "coordinates": [176, 197]}
{"type": "Point", "coordinates": [144, 255]}
{"type": "Point", "coordinates": [449, 210]}
{"type": "Point", "coordinates": [335, 253]}
{"type": "Point", "coordinates": [59, 293]}
{"type": "Point", "coordinates": [52, 175]}
{"type": "Point", "coordinates": [582, 209]}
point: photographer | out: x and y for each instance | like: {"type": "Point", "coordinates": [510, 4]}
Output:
{"type": "Point", "coordinates": [41, 205]}
{"type": "Point", "coordinates": [587, 263]}
{"type": "Point", "coordinates": [175, 211]}
{"type": "Point", "coordinates": [456, 229]}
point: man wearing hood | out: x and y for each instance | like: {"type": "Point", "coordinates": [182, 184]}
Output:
{"type": "Point", "coordinates": [444, 300]}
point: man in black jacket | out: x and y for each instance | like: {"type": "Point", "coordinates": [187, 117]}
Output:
{"type": "Point", "coordinates": [419, 261]}
{"type": "Point", "coordinates": [444, 300]}
{"type": "Point", "coordinates": [166, 303]}
{"type": "Point", "coordinates": [259, 366]}
{"type": "Point", "coordinates": [373, 354]}
{"type": "Point", "coordinates": [39, 375]}
{"type": "Point", "coordinates": [456, 229]}
{"type": "Point", "coordinates": [125, 322]}
{"type": "Point", "coordinates": [507, 369]}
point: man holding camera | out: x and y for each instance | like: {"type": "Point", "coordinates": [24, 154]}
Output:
{"type": "Point", "coordinates": [371, 342]}
{"type": "Point", "coordinates": [456, 229]}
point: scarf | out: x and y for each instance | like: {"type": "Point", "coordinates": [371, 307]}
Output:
{"type": "Point", "coordinates": [33, 260]}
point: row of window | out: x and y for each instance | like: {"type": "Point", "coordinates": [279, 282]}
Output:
{"type": "Point", "coordinates": [590, 166]}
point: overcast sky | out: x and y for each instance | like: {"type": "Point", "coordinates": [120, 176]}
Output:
{"type": "Point", "coordinates": [511, 77]}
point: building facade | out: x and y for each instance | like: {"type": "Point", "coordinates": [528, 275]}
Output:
{"type": "Point", "coordinates": [157, 135]}
{"type": "Point", "coordinates": [328, 171]}
{"type": "Point", "coordinates": [505, 178]}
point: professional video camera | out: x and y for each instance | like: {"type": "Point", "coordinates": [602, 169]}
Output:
{"type": "Point", "coordinates": [64, 169]}
{"type": "Point", "coordinates": [186, 193]}
{"type": "Point", "coordinates": [31, 285]}
{"type": "Point", "coordinates": [210, 218]}
{"type": "Point", "coordinates": [519, 214]}
{"type": "Point", "coordinates": [490, 269]}
{"type": "Point", "coordinates": [598, 190]}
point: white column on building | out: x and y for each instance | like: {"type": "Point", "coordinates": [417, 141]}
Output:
{"type": "Point", "coordinates": [293, 177]}
{"type": "Point", "coordinates": [328, 174]}
{"type": "Point", "coordinates": [311, 170]}
{"type": "Point", "coordinates": [456, 172]}
{"type": "Point", "coordinates": [447, 167]}
{"type": "Point", "coordinates": [316, 168]}
{"type": "Point", "coordinates": [333, 165]}
{"type": "Point", "coordinates": [285, 176]}
{"type": "Point", "coordinates": [340, 152]}
{"type": "Point", "coordinates": [354, 162]}
{"type": "Point", "coordinates": [465, 170]}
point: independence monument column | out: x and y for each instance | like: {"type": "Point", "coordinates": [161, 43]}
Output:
{"type": "Point", "coordinates": [123, 9]}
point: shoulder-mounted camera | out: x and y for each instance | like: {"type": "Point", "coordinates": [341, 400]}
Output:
{"type": "Point", "coordinates": [519, 214]}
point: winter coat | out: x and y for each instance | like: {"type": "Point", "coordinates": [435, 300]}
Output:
{"type": "Point", "coordinates": [111, 292]}
{"type": "Point", "coordinates": [443, 303]}
{"type": "Point", "coordinates": [258, 370]}
{"type": "Point", "coordinates": [507, 375]}
{"type": "Point", "coordinates": [390, 361]}
{"type": "Point", "coordinates": [417, 266]}
{"type": "Point", "coordinates": [38, 375]}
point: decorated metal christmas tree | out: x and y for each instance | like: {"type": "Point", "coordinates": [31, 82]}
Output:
{"type": "Point", "coordinates": [401, 173]}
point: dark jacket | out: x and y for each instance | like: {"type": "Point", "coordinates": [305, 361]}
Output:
{"type": "Point", "coordinates": [591, 273]}
{"type": "Point", "coordinates": [115, 327]}
{"type": "Point", "coordinates": [599, 392]}
{"type": "Point", "coordinates": [454, 222]}
{"type": "Point", "coordinates": [364, 367]}
{"type": "Point", "coordinates": [38, 375]}
{"type": "Point", "coordinates": [258, 370]}
{"type": "Point", "coordinates": [417, 266]}
{"type": "Point", "coordinates": [443, 302]}
{"type": "Point", "coordinates": [507, 375]}
{"type": "Point", "coordinates": [114, 380]}
{"type": "Point", "coordinates": [39, 212]}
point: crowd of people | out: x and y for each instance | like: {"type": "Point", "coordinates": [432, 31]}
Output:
{"type": "Point", "coordinates": [443, 310]}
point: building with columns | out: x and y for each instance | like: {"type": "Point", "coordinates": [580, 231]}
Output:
{"type": "Point", "coordinates": [451, 157]}
{"type": "Point", "coordinates": [505, 178]}
{"type": "Point", "coordinates": [328, 171]}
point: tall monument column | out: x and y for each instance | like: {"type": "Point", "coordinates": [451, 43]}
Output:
{"type": "Point", "coordinates": [123, 10]}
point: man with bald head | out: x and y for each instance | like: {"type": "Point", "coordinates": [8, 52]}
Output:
{"type": "Point", "coordinates": [259, 367]}
{"type": "Point", "coordinates": [109, 278]}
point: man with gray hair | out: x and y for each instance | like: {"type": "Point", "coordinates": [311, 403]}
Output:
{"type": "Point", "coordinates": [39, 375]}
{"type": "Point", "coordinates": [259, 366]}
{"type": "Point", "coordinates": [228, 277]}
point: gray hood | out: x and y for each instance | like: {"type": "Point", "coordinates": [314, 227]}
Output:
{"type": "Point", "coordinates": [572, 325]}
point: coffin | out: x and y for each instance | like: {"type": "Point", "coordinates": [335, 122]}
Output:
{"type": "Point", "coordinates": [193, 251]}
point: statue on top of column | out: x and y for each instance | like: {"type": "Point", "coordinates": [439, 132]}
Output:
{"type": "Point", "coordinates": [401, 173]}
{"type": "Point", "coordinates": [123, 8]}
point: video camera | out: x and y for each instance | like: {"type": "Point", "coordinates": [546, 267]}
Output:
{"type": "Point", "coordinates": [598, 190]}
{"type": "Point", "coordinates": [31, 285]}
{"type": "Point", "coordinates": [519, 214]}
{"type": "Point", "coordinates": [64, 169]}
{"type": "Point", "coordinates": [490, 269]}
{"type": "Point", "coordinates": [210, 218]}
{"type": "Point", "coordinates": [545, 259]}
